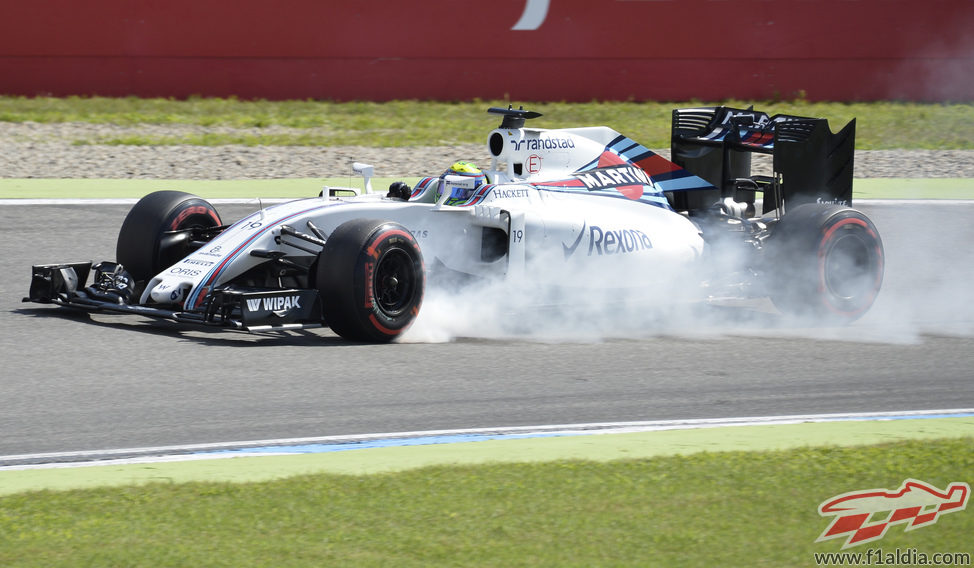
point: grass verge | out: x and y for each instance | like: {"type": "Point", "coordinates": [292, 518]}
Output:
{"type": "Point", "coordinates": [291, 188]}
{"type": "Point", "coordinates": [417, 123]}
{"type": "Point", "coordinates": [704, 509]}
{"type": "Point", "coordinates": [878, 188]}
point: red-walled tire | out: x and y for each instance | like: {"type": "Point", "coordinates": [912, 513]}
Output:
{"type": "Point", "coordinates": [824, 262]}
{"type": "Point", "coordinates": [143, 246]}
{"type": "Point", "coordinates": [371, 280]}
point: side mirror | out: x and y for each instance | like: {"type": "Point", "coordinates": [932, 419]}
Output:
{"type": "Point", "coordinates": [367, 171]}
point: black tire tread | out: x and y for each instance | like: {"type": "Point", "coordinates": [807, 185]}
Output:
{"type": "Point", "coordinates": [340, 282]}
{"type": "Point", "coordinates": [793, 263]}
{"type": "Point", "coordinates": [137, 248]}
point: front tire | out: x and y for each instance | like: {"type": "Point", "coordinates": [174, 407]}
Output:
{"type": "Point", "coordinates": [144, 248]}
{"type": "Point", "coordinates": [825, 262]}
{"type": "Point", "coordinates": [371, 279]}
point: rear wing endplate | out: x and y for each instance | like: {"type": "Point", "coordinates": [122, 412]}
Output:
{"type": "Point", "coordinates": [809, 162]}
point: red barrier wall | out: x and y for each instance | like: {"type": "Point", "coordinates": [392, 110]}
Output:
{"type": "Point", "coordinates": [574, 50]}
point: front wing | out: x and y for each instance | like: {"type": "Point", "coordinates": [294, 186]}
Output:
{"type": "Point", "coordinates": [247, 309]}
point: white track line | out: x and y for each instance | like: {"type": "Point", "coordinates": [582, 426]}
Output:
{"type": "Point", "coordinates": [133, 200]}
{"type": "Point", "coordinates": [206, 451]}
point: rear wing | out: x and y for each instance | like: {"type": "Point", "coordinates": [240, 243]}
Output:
{"type": "Point", "coordinates": [809, 162]}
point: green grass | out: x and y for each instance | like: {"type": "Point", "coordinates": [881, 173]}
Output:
{"type": "Point", "coordinates": [706, 509]}
{"type": "Point", "coordinates": [412, 123]}
{"type": "Point", "coordinates": [45, 188]}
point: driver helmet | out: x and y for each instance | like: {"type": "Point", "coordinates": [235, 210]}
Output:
{"type": "Point", "coordinates": [457, 193]}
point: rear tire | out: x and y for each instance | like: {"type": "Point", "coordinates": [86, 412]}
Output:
{"type": "Point", "coordinates": [371, 279]}
{"type": "Point", "coordinates": [825, 262]}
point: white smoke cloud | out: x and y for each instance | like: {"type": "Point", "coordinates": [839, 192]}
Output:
{"type": "Point", "coordinates": [942, 70]}
{"type": "Point", "coordinates": [929, 283]}
{"type": "Point", "coordinates": [501, 310]}
{"type": "Point", "coordinates": [928, 289]}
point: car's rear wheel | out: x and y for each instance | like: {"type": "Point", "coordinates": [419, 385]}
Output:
{"type": "Point", "coordinates": [824, 262]}
{"type": "Point", "coordinates": [371, 280]}
{"type": "Point", "coordinates": [147, 242]}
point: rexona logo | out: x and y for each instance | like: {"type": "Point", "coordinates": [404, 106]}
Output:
{"type": "Point", "coordinates": [280, 306]}
{"type": "Point", "coordinates": [864, 516]}
{"type": "Point", "coordinates": [603, 242]}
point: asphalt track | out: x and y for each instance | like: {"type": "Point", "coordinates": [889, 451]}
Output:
{"type": "Point", "coordinates": [104, 381]}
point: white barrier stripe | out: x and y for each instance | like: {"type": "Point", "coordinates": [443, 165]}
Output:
{"type": "Point", "coordinates": [133, 200]}
{"type": "Point", "coordinates": [194, 451]}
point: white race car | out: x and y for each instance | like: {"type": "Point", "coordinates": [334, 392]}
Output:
{"type": "Point", "coordinates": [584, 208]}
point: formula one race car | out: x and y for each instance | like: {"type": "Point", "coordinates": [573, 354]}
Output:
{"type": "Point", "coordinates": [584, 208]}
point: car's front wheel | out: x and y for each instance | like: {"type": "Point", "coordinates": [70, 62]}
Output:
{"type": "Point", "coordinates": [152, 236]}
{"type": "Point", "coordinates": [371, 280]}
